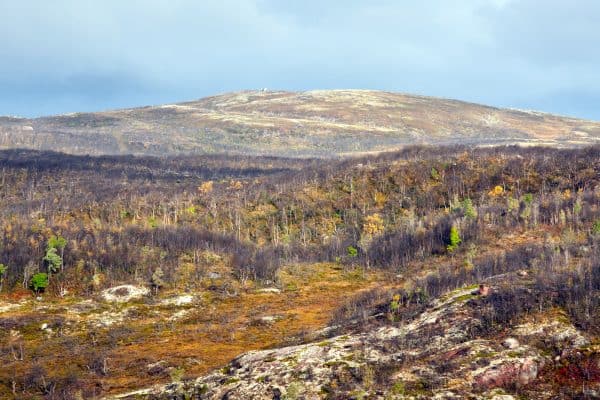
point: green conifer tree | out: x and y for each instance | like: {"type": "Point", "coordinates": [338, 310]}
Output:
{"type": "Point", "coordinates": [454, 239]}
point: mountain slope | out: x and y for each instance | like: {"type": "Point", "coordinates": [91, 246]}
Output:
{"type": "Point", "coordinates": [315, 123]}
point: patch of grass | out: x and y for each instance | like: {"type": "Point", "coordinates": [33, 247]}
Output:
{"type": "Point", "coordinates": [226, 370]}
{"type": "Point", "coordinates": [291, 360]}
{"type": "Point", "coordinates": [177, 374]}
{"type": "Point", "coordinates": [355, 275]}
{"type": "Point", "coordinates": [231, 380]}
{"type": "Point", "coordinates": [449, 295]}
{"type": "Point", "coordinates": [419, 388]}
{"type": "Point", "coordinates": [463, 298]}
{"type": "Point", "coordinates": [397, 388]}
{"type": "Point", "coordinates": [358, 394]}
{"type": "Point", "coordinates": [335, 363]}
{"type": "Point", "coordinates": [485, 354]}
{"type": "Point", "coordinates": [291, 287]}
{"type": "Point", "coordinates": [293, 391]}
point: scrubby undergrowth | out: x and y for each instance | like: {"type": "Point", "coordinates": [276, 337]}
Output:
{"type": "Point", "coordinates": [208, 257]}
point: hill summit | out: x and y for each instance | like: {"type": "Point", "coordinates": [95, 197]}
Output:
{"type": "Point", "coordinates": [315, 123]}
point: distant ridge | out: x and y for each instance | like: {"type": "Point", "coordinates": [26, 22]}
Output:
{"type": "Point", "coordinates": [318, 123]}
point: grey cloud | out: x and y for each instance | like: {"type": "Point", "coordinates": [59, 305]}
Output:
{"type": "Point", "coordinates": [64, 56]}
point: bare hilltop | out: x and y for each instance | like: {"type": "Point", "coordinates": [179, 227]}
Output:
{"type": "Point", "coordinates": [319, 123]}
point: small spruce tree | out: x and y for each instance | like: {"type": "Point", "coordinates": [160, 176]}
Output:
{"type": "Point", "coordinates": [59, 243]}
{"type": "Point", "coordinates": [53, 260]}
{"type": "Point", "coordinates": [469, 208]}
{"type": "Point", "coordinates": [454, 239]}
{"type": "Point", "coordinates": [156, 280]}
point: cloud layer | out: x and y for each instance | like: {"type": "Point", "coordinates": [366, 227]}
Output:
{"type": "Point", "coordinates": [65, 56]}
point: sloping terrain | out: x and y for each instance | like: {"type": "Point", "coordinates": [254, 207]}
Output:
{"type": "Point", "coordinates": [315, 123]}
{"type": "Point", "coordinates": [124, 274]}
{"type": "Point", "coordinates": [449, 351]}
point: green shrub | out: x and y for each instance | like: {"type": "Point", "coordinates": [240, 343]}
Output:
{"type": "Point", "coordinates": [177, 374]}
{"type": "Point", "coordinates": [596, 227]}
{"type": "Point", "coordinates": [352, 251]}
{"type": "Point", "coordinates": [57, 242]}
{"type": "Point", "coordinates": [398, 388]}
{"type": "Point", "coordinates": [39, 282]}
{"type": "Point", "coordinates": [3, 269]}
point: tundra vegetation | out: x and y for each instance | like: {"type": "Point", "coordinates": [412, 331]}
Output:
{"type": "Point", "coordinates": [317, 123]}
{"type": "Point", "coordinates": [241, 253]}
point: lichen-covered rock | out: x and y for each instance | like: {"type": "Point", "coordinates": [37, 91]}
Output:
{"type": "Point", "coordinates": [267, 290]}
{"type": "Point", "coordinates": [181, 314]}
{"type": "Point", "coordinates": [510, 343]}
{"type": "Point", "coordinates": [124, 293]}
{"type": "Point", "coordinates": [505, 373]}
{"type": "Point", "coordinates": [178, 301]}
{"type": "Point", "coordinates": [502, 397]}
{"type": "Point", "coordinates": [555, 332]}
{"type": "Point", "coordinates": [5, 307]}
{"type": "Point", "coordinates": [157, 368]}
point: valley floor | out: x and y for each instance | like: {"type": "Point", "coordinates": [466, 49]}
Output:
{"type": "Point", "coordinates": [150, 339]}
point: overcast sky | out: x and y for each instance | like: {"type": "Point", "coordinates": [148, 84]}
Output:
{"type": "Point", "coordinates": [63, 56]}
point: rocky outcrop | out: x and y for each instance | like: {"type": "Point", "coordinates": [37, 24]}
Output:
{"type": "Point", "coordinates": [124, 293]}
{"type": "Point", "coordinates": [503, 373]}
{"type": "Point", "coordinates": [439, 354]}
